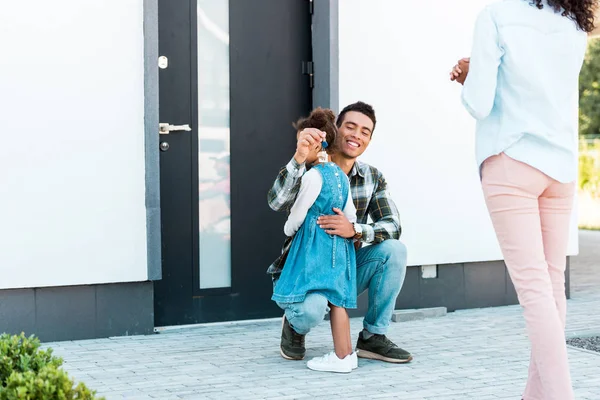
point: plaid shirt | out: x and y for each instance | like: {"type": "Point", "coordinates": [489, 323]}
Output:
{"type": "Point", "coordinates": [369, 192]}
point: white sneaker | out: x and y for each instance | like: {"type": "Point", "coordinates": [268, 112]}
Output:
{"type": "Point", "coordinates": [331, 363]}
{"type": "Point", "coordinates": [354, 358]}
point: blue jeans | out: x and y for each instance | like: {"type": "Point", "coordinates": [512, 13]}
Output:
{"type": "Point", "coordinates": [381, 269]}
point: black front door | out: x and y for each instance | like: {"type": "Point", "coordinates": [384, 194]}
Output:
{"type": "Point", "coordinates": [231, 70]}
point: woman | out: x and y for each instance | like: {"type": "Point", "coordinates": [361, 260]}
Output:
{"type": "Point", "coordinates": [521, 84]}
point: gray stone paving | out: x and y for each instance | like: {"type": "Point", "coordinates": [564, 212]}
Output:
{"type": "Point", "coordinates": [584, 275]}
{"type": "Point", "coordinates": [477, 354]}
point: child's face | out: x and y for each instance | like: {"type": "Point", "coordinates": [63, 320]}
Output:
{"type": "Point", "coordinates": [312, 157]}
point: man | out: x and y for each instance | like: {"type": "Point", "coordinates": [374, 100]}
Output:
{"type": "Point", "coordinates": [381, 267]}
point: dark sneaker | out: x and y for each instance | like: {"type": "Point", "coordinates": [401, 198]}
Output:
{"type": "Point", "coordinates": [292, 343]}
{"type": "Point", "coordinates": [379, 347]}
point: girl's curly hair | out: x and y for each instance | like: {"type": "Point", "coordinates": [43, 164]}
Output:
{"type": "Point", "coordinates": [580, 11]}
{"type": "Point", "coordinates": [324, 120]}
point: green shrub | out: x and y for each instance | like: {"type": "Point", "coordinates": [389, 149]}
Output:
{"type": "Point", "coordinates": [589, 91]}
{"type": "Point", "coordinates": [49, 383]}
{"type": "Point", "coordinates": [589, 167]}
{"type": "Point", "coordinates": [28, 373]}
{"type": "Point", "coordinates": [21, 354]}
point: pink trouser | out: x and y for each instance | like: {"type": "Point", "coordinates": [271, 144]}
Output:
{"type": "Point", "coordinates": [531, 214]}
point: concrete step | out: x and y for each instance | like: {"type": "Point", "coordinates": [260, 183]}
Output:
{"type": "Point", "coordinates": [418, 314]}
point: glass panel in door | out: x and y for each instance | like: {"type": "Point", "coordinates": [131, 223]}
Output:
{"type": "Point", "coordinates": [213, 144]}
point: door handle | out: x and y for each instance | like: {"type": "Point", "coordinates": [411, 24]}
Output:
{"type": "Point", "coordinates": [164, 128]}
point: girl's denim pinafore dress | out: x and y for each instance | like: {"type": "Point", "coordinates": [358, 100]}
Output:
{"type": "Point", "coordinates": [319, 262]}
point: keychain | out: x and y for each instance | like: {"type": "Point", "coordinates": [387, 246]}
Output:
{"type": "Point", "coordinates": [322, 155]}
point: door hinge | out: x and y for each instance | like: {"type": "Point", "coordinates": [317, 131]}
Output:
{"type": "Point", "coordinates": [308, 68]}
{"type": "Point", "coordinates": [311, 7]}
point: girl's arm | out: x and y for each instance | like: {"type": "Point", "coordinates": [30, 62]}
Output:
{"type": "Point", "coordinates": [308, 193]}
{"type": "Point", "coordinates": [350, 209]}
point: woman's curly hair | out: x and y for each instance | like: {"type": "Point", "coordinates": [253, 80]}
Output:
{"type": "Point", "coordinates": [580, 11]}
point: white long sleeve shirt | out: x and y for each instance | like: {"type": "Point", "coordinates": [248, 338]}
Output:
{"type": "Point", "coordinates": [310, 188]}
{"type": "Point", "coordinates": [522, 86]}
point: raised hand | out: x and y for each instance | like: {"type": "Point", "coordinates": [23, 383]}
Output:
{"type": "Point", "coordinates": [308, 139]}
{"type": "Point", "coordinates": [460, 71]}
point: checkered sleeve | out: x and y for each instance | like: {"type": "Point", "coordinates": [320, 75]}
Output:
{"type": "Point", "coordinates": [283, 194]}
{"type": "Point", "coordinates": [384, 214]}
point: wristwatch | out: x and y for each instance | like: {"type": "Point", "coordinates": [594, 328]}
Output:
{"type": "Point", "coordinates": [357, 231]}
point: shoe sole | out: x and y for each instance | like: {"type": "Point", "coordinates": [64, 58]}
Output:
{"type": "Point", "coordinates": [281, 348]}
{"type": "Point", "coordinates": [374, 356]}
{"type": "Point", "coordinates": [330, 370]}
{"type": "Point", "coordinates": [288, 357]}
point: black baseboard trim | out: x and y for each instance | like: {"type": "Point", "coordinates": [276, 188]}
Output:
{"type": "Point", "coordinates": [79, 312]}
{"type": "Point", "coordinates": [457, 287]}
{"type": "Point", "coordinates": [123, 309]}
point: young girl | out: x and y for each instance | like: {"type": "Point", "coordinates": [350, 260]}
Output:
{"type": "Point", "coordinates": [319, 262]}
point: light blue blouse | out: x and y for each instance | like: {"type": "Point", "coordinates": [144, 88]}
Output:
{"type": "Point", "coordinates": [522, 86]}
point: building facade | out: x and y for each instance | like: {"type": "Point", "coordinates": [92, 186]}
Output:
{"type": "Point", "coordinates": [142, 138]}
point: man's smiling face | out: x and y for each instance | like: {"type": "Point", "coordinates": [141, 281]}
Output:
{"type": "Point", "coordinates": [354, 134]}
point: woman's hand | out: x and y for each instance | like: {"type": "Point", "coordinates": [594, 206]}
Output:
{"type": "Point", "coordinates": [308, 139]}
{"type": "Point", "coordinates": [460, 71]}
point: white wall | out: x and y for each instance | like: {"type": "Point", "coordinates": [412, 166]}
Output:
{"type": "Point", "coordinates": [72, 150]}
{"type": "Point", "coordinates": [397, 55]}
